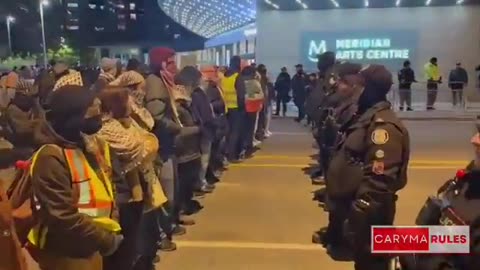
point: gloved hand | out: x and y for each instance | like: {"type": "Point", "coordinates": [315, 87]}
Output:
{"type": "Point", "coordinates": [116, 243]}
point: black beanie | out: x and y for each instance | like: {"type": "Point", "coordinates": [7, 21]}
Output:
{"type": "Point", "coordinates": [67, 103]}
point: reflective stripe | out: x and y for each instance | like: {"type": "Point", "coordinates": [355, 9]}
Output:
{"type": "Point", "coordinates": [95, 193]}
{"type": "Point", "coordinates": [84, 190]}
{"type": "Point", "coordinates": [96, 212]}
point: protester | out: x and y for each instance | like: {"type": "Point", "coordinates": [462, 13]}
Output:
{"type": "Point", "coordinates": [161, 105]}
{"type": "Point", "coordinates": [8, 91]}
{"type": "Point", "coordinates": [234, 91]}
{"type": "Point", "coordinates": [82, 219]}
{"type": "Point", "coordinates": [108, 72]}
{"type": "Point", "coordinates": [265, 114]}
{"type": "Point", "coordinates": [217, 101]}
{"type": "Point", "coordinates": [136, 150]}
{"type": "Point", "coordinates": [65, 76]}
{"type": "Point", "coordinates": [254, 99]}
{"type": "Point", "coordinates": [204, 112]}
{"type": "Point", "coordinates": [22, 115]}
{"type": "Point", "coordinates": [187, 143]}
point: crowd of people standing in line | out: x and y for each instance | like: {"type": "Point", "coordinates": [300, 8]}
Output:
{"type": "Point", "coordinates": [116, 164]}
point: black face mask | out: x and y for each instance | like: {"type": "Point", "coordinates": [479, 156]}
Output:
{"type": "Point", "coordinates": [92, 125]}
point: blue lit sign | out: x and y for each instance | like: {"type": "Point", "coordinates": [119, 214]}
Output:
{"type": "Point", "coordinates": [389, 48]}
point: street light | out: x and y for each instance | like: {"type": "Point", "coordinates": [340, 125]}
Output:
{"type": "Point", "coordinates": [42, 4]}
{"type": "Point", "coordinates": [10, 20]}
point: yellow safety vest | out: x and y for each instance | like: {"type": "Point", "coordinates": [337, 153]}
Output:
{"type": "Point", "coordinates": [229, 91]}
{"type": "Point", "coordinates": [93, 193]}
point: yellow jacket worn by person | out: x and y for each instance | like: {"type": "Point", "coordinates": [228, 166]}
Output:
{"type": "Point", "coordinates": [229, 91]}
{"type": "Point", "coordinates": [432, 72]}
{"type": "Point", "coordinates": [75, 200]}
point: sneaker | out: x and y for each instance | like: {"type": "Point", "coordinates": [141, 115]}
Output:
{"type": "Point", "coordinates": [186, 221]}
{"type": "Point", "coordinates": [179, 230]}
{"type": "Point", "coordinates": [256, 143]}
{"type": "Point", "coordinates": [409, 109]}
{"type": "Point", "coordinates": [268, 134]}
{"type": "Point", "coordinates": [318, 180]}
{"type": "Point", "coordinates": [207, 188]}
{"type": "Point", "coordinates": [166, 245]}
{"type": "Point", "coordinates": [213, 179]}
{"type": "Point", "coordinates": [400, 108]}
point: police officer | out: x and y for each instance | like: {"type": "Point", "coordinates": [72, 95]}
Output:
{"type": "Point", "coordinates": [370, 162]}
{"type": "Point", "coordinates": [340, 115]}
{"type": "Point", "coordinates": [456, 203]}
{"type": "Point", "coordinates": [320, 100]}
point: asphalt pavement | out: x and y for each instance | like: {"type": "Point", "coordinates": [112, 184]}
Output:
{"type": "Point", "coordinates": [261, 215]}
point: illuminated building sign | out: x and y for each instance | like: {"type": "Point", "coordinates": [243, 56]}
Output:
{"type": "Point", "coordinates": [388, 48]}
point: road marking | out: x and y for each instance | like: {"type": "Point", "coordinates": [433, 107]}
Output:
{"type": "Point", "coordinates": [413, 161]}
{"type": "Point", "coordinates": [416, 167]}
{"type": "Point", "coordinates": [248, 245]}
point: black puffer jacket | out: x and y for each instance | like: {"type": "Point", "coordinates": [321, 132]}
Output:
{"type": "Point", "coordinates": [187, 143]}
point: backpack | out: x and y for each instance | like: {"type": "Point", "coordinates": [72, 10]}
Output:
{"type": "Point", "coordinates": [22, 200]}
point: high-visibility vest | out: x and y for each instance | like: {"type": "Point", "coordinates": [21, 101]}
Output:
{"type": "Point", "coordinates": [94, 193]}
{"type": "Point", "coordinates": [12, 80]}
{"type": "Point", "coordinates": [229, 91]}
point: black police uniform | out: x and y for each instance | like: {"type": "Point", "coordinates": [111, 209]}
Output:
{"type": "Point", "coordinates": [369, 166]}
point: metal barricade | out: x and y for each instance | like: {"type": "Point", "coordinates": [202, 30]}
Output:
{"type": "Point", "coordinates": [419, 97]}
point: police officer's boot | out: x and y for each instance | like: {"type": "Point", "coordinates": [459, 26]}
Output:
{"type": "Point", "coordinates": [321, 237]}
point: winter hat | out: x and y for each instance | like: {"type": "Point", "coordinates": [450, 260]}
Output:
{"type": "Point", "coordinates": [69, 102]}
{"type": "Point", "coordinates": [377, 77]}
{"type": "Point", "coordinates": [72, 78]}
{"type": "Point", "coordinates": [128, 78]}
{"type": "Point", "coordinates": [159, 55]}
{"type": "Point", "coordinates": [107, 64]}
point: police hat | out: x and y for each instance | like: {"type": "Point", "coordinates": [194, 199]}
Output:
{"type": "Point", "coordinates": [377, 76]}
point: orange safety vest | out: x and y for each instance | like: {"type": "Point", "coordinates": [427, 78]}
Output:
{"type": "Point", "coordinates": [93, 192]}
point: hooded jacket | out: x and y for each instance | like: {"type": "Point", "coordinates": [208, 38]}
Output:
{"type": "Point", "coordinates": [203, 109]}
{"type": "Point", "coordinates": [51, 182]}
{"type": "Point", "coordinates": [157, 100]}
{"type": "Point", "coordinates": [187, 143]}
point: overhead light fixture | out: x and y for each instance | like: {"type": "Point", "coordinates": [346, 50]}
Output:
{"type": "Point", "coordinates": [459, 2]}
{"type": "Point", "coordinates": [367, 3]}
{"type": "Point", "coordinates": [335, 3]}
{"type": "Point", "coordinates": [301, 3]}
{"type": "Point", "coordinates": [398, 3]}
{"type": "Point", "coordinates": [428, 2]}
{"type": "Point", "coordinates": [209, 18]}
{"type": "Point", "coordinates": [272, 4]}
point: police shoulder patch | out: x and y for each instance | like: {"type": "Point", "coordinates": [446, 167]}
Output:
{"type": "Point", "coordinates": [380, 136]}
